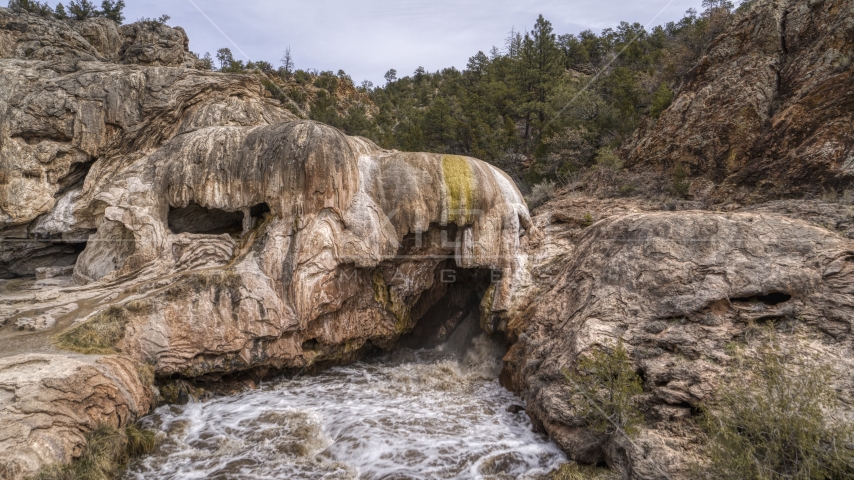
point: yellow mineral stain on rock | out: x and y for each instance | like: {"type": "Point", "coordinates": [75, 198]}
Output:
{"type": "Point", "coordinates": [459, 180]}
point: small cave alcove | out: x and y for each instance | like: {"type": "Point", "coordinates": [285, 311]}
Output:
{"type": "Point", "coordinates": [39, 252]}
{"type": "Point", "coordinates": [197, 219]}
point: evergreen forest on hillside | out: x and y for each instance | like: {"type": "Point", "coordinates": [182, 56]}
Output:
{"type": "Point", "coordinates": [544, 107]}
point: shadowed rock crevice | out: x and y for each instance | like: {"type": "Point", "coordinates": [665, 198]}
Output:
{"type": "Point", "coordinates": [27, 257]}
{"type": "Point", "coordinates": [200, 220]}
{"type": "Point", "coordinates": [773, 298]}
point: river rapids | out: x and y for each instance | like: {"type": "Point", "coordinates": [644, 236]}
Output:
{"type": "Point", "coordinates": [413, 414]}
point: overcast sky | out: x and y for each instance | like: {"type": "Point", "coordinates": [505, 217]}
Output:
{"type": "Point", "coordinates": [366, 38]}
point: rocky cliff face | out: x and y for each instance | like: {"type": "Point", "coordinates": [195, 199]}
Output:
{"type": "Point", "coordinates": [768, 111]}
{"type": "Point", "coordinates": [766, 114]}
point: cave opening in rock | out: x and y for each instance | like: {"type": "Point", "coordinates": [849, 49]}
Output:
{"type": "Point", "coordinates": [456, 296]}
{"type": "Point", "coordinates": [197, 219]}
{"type": "Point", "coordinates": [773, 298]}
{"type": "Point", "coordinates": [43, 256]}
{"type": "Point", "coordinates": [256, 213]}
{"type": "Point", "coordinates": [74, 178]}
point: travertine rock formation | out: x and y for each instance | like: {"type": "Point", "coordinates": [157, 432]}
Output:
{"type": "Point", "coordinates": [259, 239]}
{"type": "Point", "coordinates": [680, 289]}
{"type": "Point", "coordinates": [209, 231]}
{"type": "Point", "coordinates": [768, 111]}
{"type": "Point", "coordinates": [48, 403]}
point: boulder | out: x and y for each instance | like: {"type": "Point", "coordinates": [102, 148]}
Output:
{"type": "Point", "coordinates": [49, 402]}
{"type": "Point", "coordinates": [679, 289]}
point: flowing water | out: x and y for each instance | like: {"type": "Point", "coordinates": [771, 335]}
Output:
{"type": "Point", "coordinates": [409, 415]}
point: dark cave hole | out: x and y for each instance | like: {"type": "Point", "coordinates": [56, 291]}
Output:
{"type": "Point", "coordinates": [773, 298]}
{"type": "Point", "coordinates": [259, 210]}
{"type": "Point", "coordinates": [457, 293]}
{"type": "Point", "coordinates": [197, 219]}
{"type": "Point", "coordinates": [74, 178]}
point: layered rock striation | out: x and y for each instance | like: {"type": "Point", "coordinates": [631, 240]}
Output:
{"type": "Point", "coordinates": [47, 402]}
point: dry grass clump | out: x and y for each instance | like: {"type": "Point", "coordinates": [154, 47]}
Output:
{"type": "Point", "coordinates": [108, 450]}
{"type": "Point", "coordinates": [540, 194]}
{"type": "Point", "coordinates": [145, 372]}
{"type": "Point", "coordinates": [139, 307]}
{"type": "Point", "coordinates": [101, 333]}
{"type": "Point", "coordinates": [98, 335]}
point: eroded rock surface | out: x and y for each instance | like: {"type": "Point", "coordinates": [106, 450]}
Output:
{"type": "Point", "coordinates": [30, 37]}
{"type": "Point", "coordinates": [208, 230]}
{"type": "Point", "coordinates": [680, 289]}
{"type": "Point", "coordinates": [49, 402]}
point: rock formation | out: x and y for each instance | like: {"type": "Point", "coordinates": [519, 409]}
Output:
{"type": "Point", "coordinates": [48, 401]}
{"type": "Point", "coordinates": [208, 230]}
{"type": "Point", "coordinates": [155, 213]}
{"type": "Point", "coordinates": [678, 288]}
{"type": "Point", "coordinates": [768, 111]}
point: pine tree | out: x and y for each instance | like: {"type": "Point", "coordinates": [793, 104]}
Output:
{"type": "Point", "coordinates": [60, 12]}
{"type": "Point", "coordinates": [225, 58]}
{"type": "Point", "coordinates": [113, 10]}
{"type": "Point", "coordinates": [82, 10]}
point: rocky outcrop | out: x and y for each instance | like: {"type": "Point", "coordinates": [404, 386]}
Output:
{"type": "Point", "coordinates": [187, 221]}
{"type": "Point", "coordinates": [226, 234]}
{"type": "Point", "coordinates": [768, 112]}
{"type": "Point", "coordinates": [67, 114]}
{"type": "Point", "coordinates": [30, 37]}
{"type": "Point", "coordinates": [49, 402]}
{"type": "Point", "coordinates": [679, 289]}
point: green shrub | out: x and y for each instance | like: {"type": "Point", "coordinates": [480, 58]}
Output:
{"type": "Point", "coordinates": [31, 6]}
{"type": "Point", "coordinates": [660, 100]}
{"type": "Point", "coordinates": [587, 220]}
{"type": "Point", "coordinates": [679, 181]}
{"type": "Point", "coordinates": [607, 159]}
{"type": "Point", "coordinates": [153, 23]}
{"type": "Point", "coordinates": [776, 422]}
{"type": "Point", "coordinates": [108, 449]}
{"type": "Point", "coordinates": [82, 10]}
{"type": "Point", "coordinates": [604, 389]}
